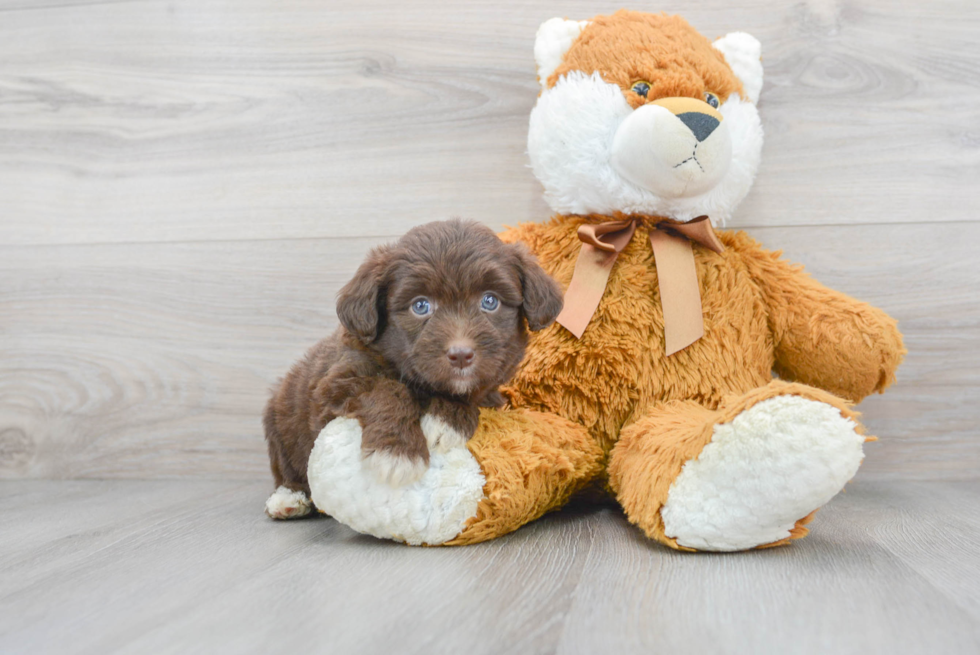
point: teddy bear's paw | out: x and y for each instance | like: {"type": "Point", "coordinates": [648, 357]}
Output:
{"type": "Point", "coordinates": [431, 510]}
{"type": "Point", "coordinates": [441, 436]}
{"type": "Point", "coordinates": [287, 504]}
{"type": "Point", "coordinates": [395, 470]}
{"type": "Point", "coordinates": [762, 475]}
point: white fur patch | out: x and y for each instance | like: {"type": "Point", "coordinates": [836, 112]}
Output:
{"type": "Point", "coordinates": [570, 140]}
{"type": "Point", "coordinates": [656, 151]}
{"type": "Point", "coordinates": [771, 466]}
{"type": "Point", "coordinates": [743, 53]}
{"type": "Point", "coordinates": [287, 504]}
{"type": "Point", "coordinates": [554, 38]}
{"type": "Point", "coordinates": [441, 436]}
{"type": "Point", "coordinates": [431, 510]}
{"type": "Point", "coordinates": [462, 385]}
{"type": "Point", "coordinates": [394, 470]}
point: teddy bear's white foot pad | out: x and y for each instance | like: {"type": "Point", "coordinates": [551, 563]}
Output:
{"type": "Point", "coordinates": [771, 466]}
{"type": "Point", "coordinates": [431, 510]}
{"type": "Point", "coordinates": [287, 504]}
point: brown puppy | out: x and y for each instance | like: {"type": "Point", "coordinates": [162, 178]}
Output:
{"type": "Point", "coordinates": [430, 327]}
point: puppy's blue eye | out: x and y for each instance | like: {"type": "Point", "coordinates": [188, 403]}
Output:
{"type": "Point", "coordinates": [421, 306]}
{"type": "Point", "coordinates": [711, 99]}
{"type": "Point", "coordinates": [489, 302]}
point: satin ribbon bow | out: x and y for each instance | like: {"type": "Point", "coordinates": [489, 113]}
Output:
{"type": "Point", "coordinates": [680, 294]}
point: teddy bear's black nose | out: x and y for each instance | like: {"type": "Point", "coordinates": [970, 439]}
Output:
{"type": "Point", "coordinates": [701, 125]}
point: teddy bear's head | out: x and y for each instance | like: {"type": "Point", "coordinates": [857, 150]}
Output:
{"type": "Point", "coordinates": [641, 114]}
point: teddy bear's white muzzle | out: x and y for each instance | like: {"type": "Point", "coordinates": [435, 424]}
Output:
{"type": "Point", "coordinates": [674, 156]}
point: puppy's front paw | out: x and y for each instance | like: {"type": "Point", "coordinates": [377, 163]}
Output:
{"type": "Point", "coordinates": [441, 436]}
{"type": "Point", "coordinates": [394, 469]}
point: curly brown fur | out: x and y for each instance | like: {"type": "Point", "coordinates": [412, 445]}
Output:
{"type": "Point", "coordinates": [388, 364]}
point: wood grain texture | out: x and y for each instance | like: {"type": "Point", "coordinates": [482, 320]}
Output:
{"type": "Point", "coordinates": [154, 360]}
{"type": "Point", "coordinates": [190, 566]}
{"type": "Point", "coordinates": [185, 185]}
{"type": "Point", "coordinates": [172, 121]}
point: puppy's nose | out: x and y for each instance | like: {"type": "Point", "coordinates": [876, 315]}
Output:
{"type": "Point", "coordinates": [459, 355]}
{"type": "Point", "coordinates": [701, 125]}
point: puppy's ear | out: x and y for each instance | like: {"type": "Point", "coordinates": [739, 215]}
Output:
{"type": "Point", "coordinates": [542, 295]}
{"type": "Point", "coordinates": [361, 303]}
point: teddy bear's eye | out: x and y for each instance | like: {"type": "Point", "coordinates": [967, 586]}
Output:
{"type": "Point", "coordinates": [641, 88]}
{"type": "Point", "coordinates": [711, 99]}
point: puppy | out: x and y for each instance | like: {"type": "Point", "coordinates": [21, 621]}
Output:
{"type": "Point", "coordinates": [430, 327]}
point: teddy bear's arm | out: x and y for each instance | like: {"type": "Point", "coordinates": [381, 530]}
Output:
{"type": "Point", "coordinates": [823, 337]}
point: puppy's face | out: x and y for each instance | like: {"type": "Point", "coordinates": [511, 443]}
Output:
{"type": "Point", "coordinates": [449, 306]}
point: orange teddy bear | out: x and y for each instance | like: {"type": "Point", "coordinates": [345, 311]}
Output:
{"type": "Point", "coordinates": [658, 379]}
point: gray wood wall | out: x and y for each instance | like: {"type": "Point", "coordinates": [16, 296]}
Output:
{"type": "Point", "coordinates": [184, 186]}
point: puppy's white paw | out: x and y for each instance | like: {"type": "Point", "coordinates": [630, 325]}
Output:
{"type": "Point", "coordinates": [441, 436]}
{"type": "Point", "coordinates": [287, 504]}
{"type": "Point", "coordinates": [395, 470]}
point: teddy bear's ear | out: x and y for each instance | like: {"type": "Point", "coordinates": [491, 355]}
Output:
{"type": "Point", "coordinates": [743, 52]}
{"type": "Point", "coordinates": [552, 41]}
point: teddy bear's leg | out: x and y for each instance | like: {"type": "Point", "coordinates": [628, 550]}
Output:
{"type": "Point", "coordinates": [533, 463]}
{"type": "Point", "coordinates": [519, 465]}
{"type": "Point", "coordinates": [750, 474]}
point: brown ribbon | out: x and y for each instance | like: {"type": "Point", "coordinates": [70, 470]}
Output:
{"type": "Point", "coordinates": [680, 295]}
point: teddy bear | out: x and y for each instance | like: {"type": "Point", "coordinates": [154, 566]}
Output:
{"type": "Point", "coordinates": [701, 380]}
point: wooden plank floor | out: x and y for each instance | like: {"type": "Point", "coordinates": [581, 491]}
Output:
{"type": "Point", "coordinates": [184, 186]}
{"type": "Point", "coordinates": [185, 567]}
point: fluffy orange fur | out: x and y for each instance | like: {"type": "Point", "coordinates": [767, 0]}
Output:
{"type": "Point", "coordinates": [533, 463]}
{"type": "Point", "coordinates": [664, 51]}
{"type": "Point", "coordinates": [646, 413]}
{"type": "Point", "coordinates": [611, 406]}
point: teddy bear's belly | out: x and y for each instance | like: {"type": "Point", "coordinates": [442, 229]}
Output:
{"type": "Point", "coordinates": [618, 368]}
